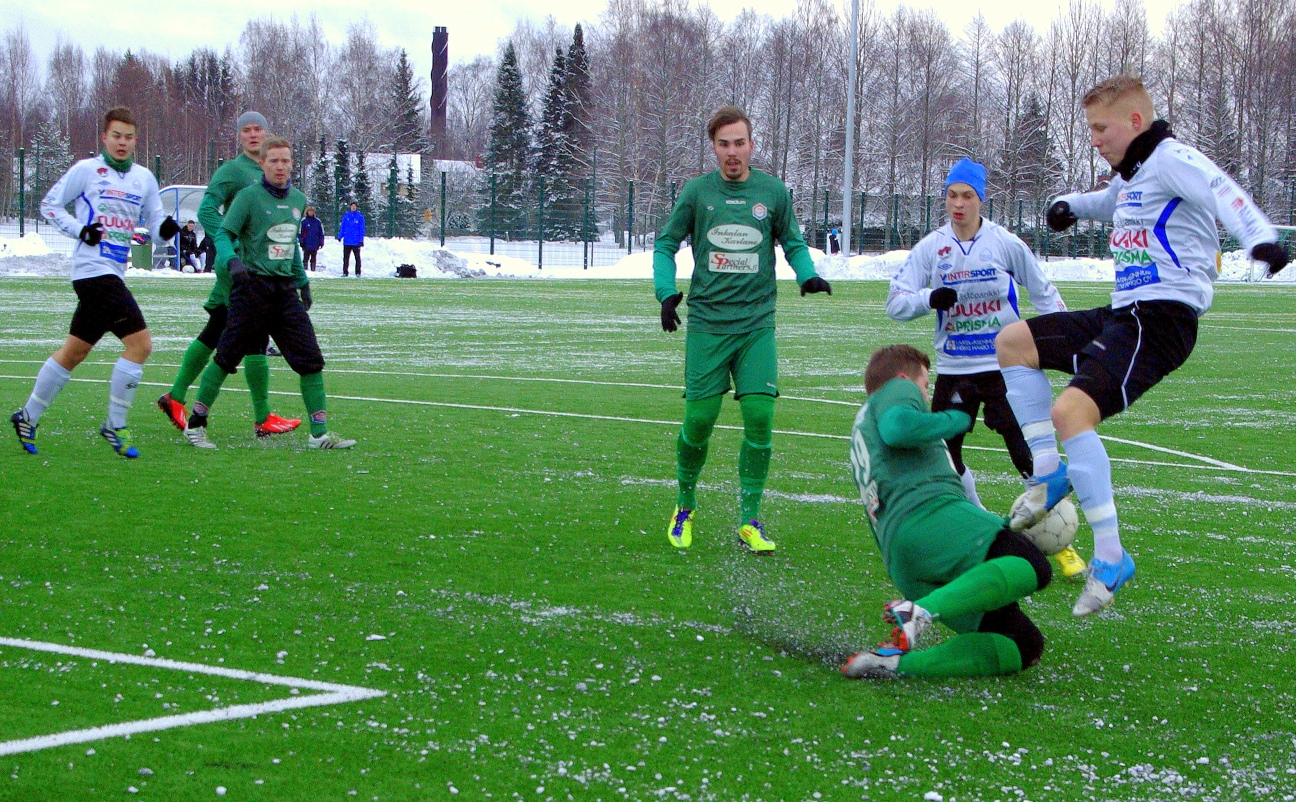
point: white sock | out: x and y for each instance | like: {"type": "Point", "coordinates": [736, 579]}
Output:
{"type": "Point", "coordinates": [969, 487]}
{"type": "Point", "coordinates": [1031, 398]}
{"type": "Point", "coordinates": [1089, 469]}
{"type": "Point", "coordinates": [50, 381]}
{"type": "Point", "coordinates": [126, 376]}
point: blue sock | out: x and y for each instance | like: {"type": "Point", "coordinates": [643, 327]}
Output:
{"type": "Point", "coordinates": [1090, 472]}
{"type": "Point", "coordinates": [1031, 399]}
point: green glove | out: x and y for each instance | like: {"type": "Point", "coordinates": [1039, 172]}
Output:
{"type": "Point", "coordinates": [224, 252]}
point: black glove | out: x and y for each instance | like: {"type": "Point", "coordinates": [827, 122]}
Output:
{"type": "Point", "coordinates": [815, 284]}
{"type": "Point", "coordinates": [943, 298]}
{"type": "Point", "coordinates": [237, 270]}
{"type": "Point", "coordinates": [1272, 252]}
{"type": "Point", "coordinates": [305, 296]}
{"type": "Point", "coordinates": [168, 229]}
{"type": "Point", "coordinates": [91, 234]}
{"type": "Point", "coordinates": [670, 318]}
{"type": "Point", "coordinates": [1060, 217]}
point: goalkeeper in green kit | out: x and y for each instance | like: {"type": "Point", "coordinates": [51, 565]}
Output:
{"type": "Point", "coordinates": [226, 182]}
{"type": "Point", "coordinates": [954, 562]}
{"type": "Point", "coordinates": [733, 217]}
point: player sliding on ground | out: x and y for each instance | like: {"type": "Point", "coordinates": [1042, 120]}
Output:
{"type": "Point", "coordinates": [1163, 203]}
{"type": "Point", "coordinates": [112, 196]}
{"type": "Point", "coordinates": [265, 277]}
{"type": "Point", "coordinates": [968, 271]}
{"type": "Point", "coordinates": [733, 216]}
{"type": "Point", "coordinates": [228, 180]}
{"type": "Point", "coordinates": [954, 562]}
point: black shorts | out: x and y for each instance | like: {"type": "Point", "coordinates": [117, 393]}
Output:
{"type": "Point", "coordinates": [265, 307]}
{"type": "Point", "coordinates": [1116, 355]}
{"type": "Point", "coordinates": [103, 305]}
{"type": "Point", "coordinates": [216, 319]}
{"type": "Point", "coordinates": [975, 390]}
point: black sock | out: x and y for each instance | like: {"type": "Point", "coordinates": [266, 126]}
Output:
{"type": "Point", "coordinates": [197, 421]}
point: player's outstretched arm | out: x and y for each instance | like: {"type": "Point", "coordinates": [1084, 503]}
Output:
{"type": "Point", "coordinates": [1099, 205]}
{"type": "Point", "coordinates": [1203, 184]}
{"type": "Point", "coordinates": [53, 206]}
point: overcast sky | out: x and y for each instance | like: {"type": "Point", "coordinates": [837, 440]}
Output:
{"type": "Point", "coordinates": [176, 27]}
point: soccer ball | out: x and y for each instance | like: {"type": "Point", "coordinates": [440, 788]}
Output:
{"type": "Point", "coordinates": [1057, 530]}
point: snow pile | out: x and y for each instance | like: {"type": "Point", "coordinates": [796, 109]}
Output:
{"type": "Point", "coordinates": [30, 244]}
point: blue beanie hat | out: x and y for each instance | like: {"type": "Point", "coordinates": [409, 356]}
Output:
{"type": "Point", "coordinates": [968, 172]}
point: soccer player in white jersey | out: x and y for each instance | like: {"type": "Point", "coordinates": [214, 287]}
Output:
{"type": "Point", "coordinates": [112, 196]}
{"type": "Point", "coordinates": [1163, 203]}
{"type": "Point", "coordinates": [967, 272]}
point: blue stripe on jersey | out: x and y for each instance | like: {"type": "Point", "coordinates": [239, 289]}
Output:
{"type": "Point", "coordinates": [1012, 296]}
{"type": "Point", "coordinates": [1160, 229]}
{"type": "Point", "coordinates": [89, 208]}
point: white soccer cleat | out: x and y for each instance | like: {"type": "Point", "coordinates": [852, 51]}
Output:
{"type": "Point", "coordinates": [328, 440]}
{"type": "Point", "coordinates": [1042, 494]}
{"type": "Point", "coordinates": [881, 663]}
{"type": "Point", "coordinates": [197, 437]}
{"type": "Point", "coordinates": [911, 621]}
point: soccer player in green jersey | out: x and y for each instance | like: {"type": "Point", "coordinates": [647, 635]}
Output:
{"type": "Point", "coordinates": [953, 561]}
{"type": "Point", "coordinates": [266, 276]}
{"type": "Point", "coordinates": [733, 216]}
{"type": "Point", "coordinates": [228, 180]}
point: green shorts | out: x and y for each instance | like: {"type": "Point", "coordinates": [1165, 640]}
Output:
{"type": "Point", "coordinates": [220, 292]}
{"type": "Point", "coordinates": [934, 547]}
{"type": "Point", "coordinates": [711, 359]}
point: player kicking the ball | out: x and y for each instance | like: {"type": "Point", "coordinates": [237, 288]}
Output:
{"type": "Point", "coordinates": [112, 195]}
{"type": "Point", "coordinates": [1163, 203]}
{"type": "Point", "coordinates": [968, 271]}
{"type": "Point", "coordinates": [265, 277]}
{"type": "Point", "coordinates": [954, 562]}
{"type": "Point", "coordinates": [228, 180]}
{"type": "Point", "coordinates": [733, 215]}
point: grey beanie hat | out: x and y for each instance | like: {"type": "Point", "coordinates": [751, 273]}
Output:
{"type": "Point", "coordinates": [251, 118]}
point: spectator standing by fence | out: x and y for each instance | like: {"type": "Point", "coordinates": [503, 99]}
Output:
{"type": "Point", "coordinates": [312, 239]}
{"type": "Point", "coordinates": [352, 233]}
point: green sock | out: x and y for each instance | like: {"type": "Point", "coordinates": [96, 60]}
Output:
{"type": "Point", "coordinates": [754, 453]}
{"type": "Point", "coordinates": [985, 587]}
{"type": "Point", "coordinates": [975, 654]}
{"type": "Point", "coordinates": [312, 391]}
{"type": "Point", "coordinates": [191, 364]}
{"type": "Point", "coordinates": [691, 446]}
{"type": "Point", "coordinates": [256, 372]}
{"type": "Point", "coordinates": [689, 460]}
{"type": "Point", "coordinates": [209, 387]}
{"type": "Point", "coordinates": [753, 467]}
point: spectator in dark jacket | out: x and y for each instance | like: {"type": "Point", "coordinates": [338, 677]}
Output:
{"type": "Point", "coordinates": [312, 239]}
{"type": "Point", "coordinates": [352, 233]}
{"type": "Point", "coordinates": [208, 250]}
{"type": "Point", "coordinates": [189, 256]}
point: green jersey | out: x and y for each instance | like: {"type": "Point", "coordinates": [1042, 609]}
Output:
{"type": "Point", "coordinates": [228, 180]}
{"type": "Point", "coordinates": [900, 462]}
{"type": "Point", "coordinates": [733, 226]}
{"type": "Point", "coordinates": [265, 228]}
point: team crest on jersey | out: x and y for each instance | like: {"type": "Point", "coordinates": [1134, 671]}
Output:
{"type": "Point", "coordinates": [943, 252]}
{"type": "Point", "coordinates": [296, 213]}
{"type": "Point", "coordinates": [759, 211]}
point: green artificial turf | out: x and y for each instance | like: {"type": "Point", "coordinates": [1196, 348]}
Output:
{"type": "Point", "coordinates": [539, 637]}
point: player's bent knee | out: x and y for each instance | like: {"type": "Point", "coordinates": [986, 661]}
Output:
{"type": "Point", "coordinates": [1013, 344]}
{"type": "Point", "coordinates": [304, 366]}
{"type": "Point", "coordinates": [1030, 642]}
{"type": "Point", "coordinates": [758, 418]}
{"type": "Point", "coordinates": [700, 418]}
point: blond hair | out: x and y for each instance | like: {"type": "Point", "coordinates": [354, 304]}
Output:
{"type": "Point", "coordinates": [272, 142]}
{"type": "Point", "coordinates": [1119, 88]}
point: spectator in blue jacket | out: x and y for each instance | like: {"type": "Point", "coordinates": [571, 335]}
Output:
{"type": "Point", "coordinates": [351, 232]}
{"type": "Point", "coordinates": [311, 238]}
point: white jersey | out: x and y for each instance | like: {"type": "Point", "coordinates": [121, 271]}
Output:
{"type": "Point", "coordinates": [985, 272]}
{"type": "Point", "coordinates": [1164, 241]}
{"type": "Point", "coordinates": [119, 201]}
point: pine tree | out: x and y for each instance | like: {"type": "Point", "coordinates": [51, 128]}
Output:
{"type": "Point", "coordinates": [507, 152]}
{"type": "Point", "coordinates": [342, 177]}
{"type": "Point", "coordinates": [409, 214]}
{"type": "Point", "coordinates": [50, 156]}
{"type": "Point", "coordinates": [407, 125]}
{"type": "Point", "coordinates": [577, 84]}
{"type": "Point", "coordinates": [1028, 169]}
{"type": "Point", "coordinates": [553, 168]}
{"type": "Point", "coordinates": [363, 194]}
{"type": "Point", "coordinates": [322, 188]}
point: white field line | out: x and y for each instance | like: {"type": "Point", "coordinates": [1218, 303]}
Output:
{"type": "Point", "coordinates": [333, 694]}
{"type": "Point", "coordinates": [1210, 462]}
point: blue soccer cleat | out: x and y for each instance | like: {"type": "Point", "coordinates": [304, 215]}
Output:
{"type": "Point", "coordinates": [1042, 494]}
{"type": "Point", "coordinates": [1103, 582]}
{"type": "Point", "coordinates": [120, 440]}
{"type": "Point", "coordinates": [25, 429]}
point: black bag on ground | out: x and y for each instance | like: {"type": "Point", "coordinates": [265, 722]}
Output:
{"type": "Point", "coordinates": [406, 271]}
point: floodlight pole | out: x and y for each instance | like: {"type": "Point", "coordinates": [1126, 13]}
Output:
{"type": "Point", "coordinates": [848, 180]}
